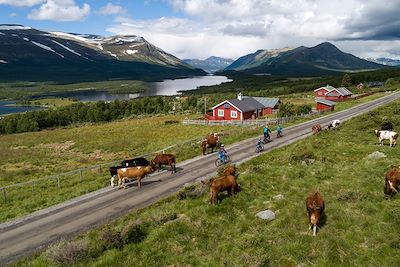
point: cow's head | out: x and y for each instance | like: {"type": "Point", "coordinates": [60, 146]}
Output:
{"type": "Point", "coordinates": [377, 133]}
{"type": "Point", "coordinates": [389, 187]}
{"type": "Point", "coordinates": [238, 188]}
{"type": "Point", "coordinates": [314, 214]}
{"type": "Point", "coordinates": [149, 168]}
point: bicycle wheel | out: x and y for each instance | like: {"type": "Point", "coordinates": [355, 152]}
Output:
{"type": "Point", "coordinates": [218, 162]}
{"type": "Point", "coordinates": [227, 159]}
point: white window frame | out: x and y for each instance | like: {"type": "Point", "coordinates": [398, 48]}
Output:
{"type": "Point", "coordinates": [221, 112]}
{"type": "Point", "coordinates": [234, 112]}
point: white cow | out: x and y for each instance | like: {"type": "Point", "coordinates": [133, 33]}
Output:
{"type": "Point", "coordinates": [386, 135]}
{"type": "Point", "coordinates": [334, 124]}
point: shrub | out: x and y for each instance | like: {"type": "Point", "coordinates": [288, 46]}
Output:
{"type": "Point", "coordinates": [133, 232]}
{"type": "Point", "coordinates": [111, 238]}
{"type": "Point", "coordinates": [67, 253]}
{"type": "Point", "coordinates": [192, 191]}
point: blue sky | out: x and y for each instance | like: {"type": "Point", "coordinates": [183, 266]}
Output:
{"type": "Point", "coordinates": [226, 28]}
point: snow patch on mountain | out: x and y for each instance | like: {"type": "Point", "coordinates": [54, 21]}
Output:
{"type": "Point", "coordinates": [131, 52]}
{"type": "Point", "coordinates": [69, 49]}
{"type": "Point", "coordinates": [114, 55]}
{"type": "Point", "coordinates": [124, 39]}
{"type": "Point", "coordinates": [14, 27]}
{"type": "Point", "coordinates": [3, 61]}
{"type": "Point", "coordinates": [46, 48]}
{"type": "Point", "coordinates": [2, 33]}
{"type": "Point", "coordinates": [80, 38]}
{"type": "Point", "coordinates": [26, 39]}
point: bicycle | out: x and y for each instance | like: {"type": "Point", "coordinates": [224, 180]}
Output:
{"type": "Point", "coordinates": [260, 146]}
{"type": "Point", "coordinates": [220, 162]}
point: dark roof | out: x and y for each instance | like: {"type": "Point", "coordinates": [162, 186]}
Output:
{"type": "Point", "coordinates": [324, 101]}
{"type": "Point", "coordinates": [249, 103]}
{"type": "Point", "coordinates": [267, 102]}
{"type": "Point", "coordinates": [246, 104]}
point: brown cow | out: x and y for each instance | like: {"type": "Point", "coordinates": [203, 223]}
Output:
{"type": "Point", "coordinates": [130, 173]}
{"type": "Point", "coordinates": [211, 141]}
{"type": "Point", "coordinates": [164, 159]}
{"type": "Point", "coordinates": [230, 170]}
{"type": "Point", "coordinates": [316, 128]}
{"type": "Point", "coordinates": [225, 183]}
{"type": "Point", "coordinates": [315, 209]}
{"type": "Point", "coordinates": [392, 180]}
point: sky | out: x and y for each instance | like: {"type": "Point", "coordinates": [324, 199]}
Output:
{"type": "Point", "coordinates": [225, 28]}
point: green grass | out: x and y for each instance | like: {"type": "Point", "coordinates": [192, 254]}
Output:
{"type": "Point", "coordinates": [362, 226]}
{"type": "Point", "coordinates": [51, 102]}
{"type": "Point", "coordinates": [31, 156]}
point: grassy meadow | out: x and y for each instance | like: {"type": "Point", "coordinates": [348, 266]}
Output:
{"type": "Point", "coordinates": [31, 156]}
{"type": "Point", "coordinates": [361, 228]}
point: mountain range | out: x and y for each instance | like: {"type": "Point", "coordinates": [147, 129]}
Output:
{"type": "Point", "coordinates": [211, 64]}
{"type": "Point", "coordinates": [35, 55]}
{"type": "Point", "coordinates": [386, 61]}
{"type": "Point", "coordinates": [322, 59]}
{"type": "Point", "coordinates": [30, 54]}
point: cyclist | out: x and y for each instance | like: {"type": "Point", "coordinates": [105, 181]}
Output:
{"type": "Point", "coordinates": [279, 130]}
{"type": "Point", "coordinates": [267, 131]}
{"type": "Point", "coordinates": [222, 153]}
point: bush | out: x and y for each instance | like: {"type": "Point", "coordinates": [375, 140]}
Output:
{"type": "Point", "coordinates": [192, 191]}
{"type": "Point", "coordinates": [111, 239]}
{"type": "Point", "coordinates": [133, 232]}
{"type": "Point", "coordinates": [67, 253]}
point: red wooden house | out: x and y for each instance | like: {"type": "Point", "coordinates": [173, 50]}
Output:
{"type": "Point", "coordinates": [338, 94]}
{"type": "Point", "coordinates": [324, 104]}
{"type": "Point", "coordinates": [322, 91]}
{"type": "Point", "coordinates": [243, 108]}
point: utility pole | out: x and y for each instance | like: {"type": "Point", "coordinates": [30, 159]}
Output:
{"type": "Point", "coordinates": [205, 105]}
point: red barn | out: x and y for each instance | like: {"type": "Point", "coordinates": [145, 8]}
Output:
{"type": "Point", "coordinates": [243, 108]}
{"type": "Point", "coordinates": [324, 104]}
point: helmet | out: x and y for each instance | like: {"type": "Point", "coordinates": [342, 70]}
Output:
{"type": "Point", "coordinates": [222, 145]}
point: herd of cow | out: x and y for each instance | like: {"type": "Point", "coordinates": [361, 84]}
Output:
{"type": "Point", "coordinates": [315, 202]}
{"type": "Point", "coordinates": [139, 167]}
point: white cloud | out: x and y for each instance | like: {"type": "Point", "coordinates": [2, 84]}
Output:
{"type": "Point", "coordinates": [111, 9]}
{"type": "Point", "coordinates": [232, 28]}
{"type": "Point", "coordinates": [60, 10]}
{"type": "Point", "coordinates": [21, 3]}
{"type": "Point", "coordinates": [11, 15]}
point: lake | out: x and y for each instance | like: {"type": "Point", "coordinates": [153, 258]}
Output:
{"type": "Point", "coordinates": [6, 107]}
{"type": "Point", "coordinates": [165, 88]}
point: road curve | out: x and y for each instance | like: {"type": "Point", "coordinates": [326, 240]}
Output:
{"type": "Point", "coordinates": [35, 232]}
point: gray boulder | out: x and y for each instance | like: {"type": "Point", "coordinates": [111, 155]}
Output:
{"type": "Point", "coordinates": [268, 215]}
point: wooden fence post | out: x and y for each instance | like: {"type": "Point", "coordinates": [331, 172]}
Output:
{"type": "Point", "coordinates": [58, 181]}
{"type": "Point", "coordinates": [81, 175]}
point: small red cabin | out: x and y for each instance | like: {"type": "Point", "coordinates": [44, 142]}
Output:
{"type": "Point", "coordinates": [322, 91]}
{"type": "Point", "coordinates": [243, 108]}
{"type": "Point", "coordinates": [324, 104]}
{"type": "Point", "coordinates": [332, 93]}
{"type": "Point", "coordinates": [338, 94]}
